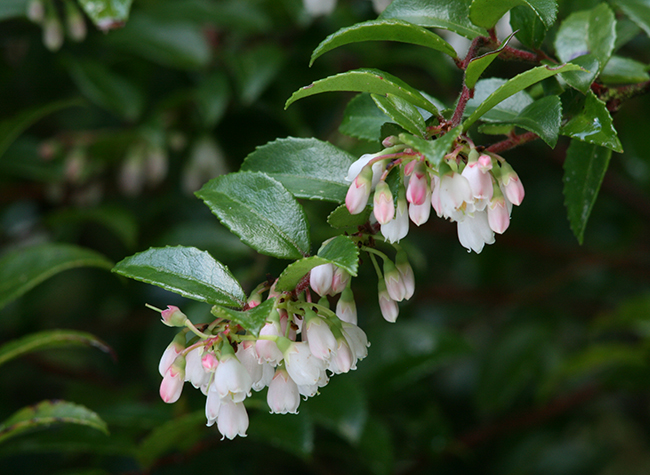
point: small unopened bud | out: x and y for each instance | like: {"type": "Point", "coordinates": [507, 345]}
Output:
{"type": "Point", "coordinates": [359, 191]}
{"type": "Point", "coordinates": [389, 308]}
{"type": "Point", "coordinates": [394, 283]}
{"type": "Point", "coordinates": [320, 278]}
{"type": "Point", "coordinates": [346, 308]}
{"type": "Point", "coordinates": [406, 271]}
{"type": "Point", "coordinates": [390, 141]}
{"type": "Point", "coordinates": [52, 33]}
{"type": "Point", "coordinates": [512, 186]}
{"type": "Point", "coordinates": [173, 317]}
{"type": "Point", "coordinates": [172, 383]}
{"type": "Point", "coordinates": [384, 208]}
{"type": "Point", "coordinates": [340, 280]}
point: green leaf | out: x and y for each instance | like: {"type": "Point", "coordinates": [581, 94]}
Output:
{"type": "Point", "coordinates": [365, 80]}
{"type": "Point", "coordinates": [638, 11]}
{"type": "Point", "coordinates": [107, 14]}
{"type": "Point", "coordinates": [24, 268]}
{"type": "Point", "coordinates": [307, 167]}
{"type": "Point", "coordinates": [212, 98]}
{"type": "Point", "coordinates": [513, 86]}
{"type": "Point", "coordinates": [168, 42]}
{"type": "Point", "coordinates": [584, 168]}
{"type": "Point", "coordinates": [46, 413]}
{"type": "Point", "coordinates": [542, 117]}
{"type": "Point", "coordinates": [187, 271]}
{"type": "Point", "coordinates": [383, 30]}
{"type": "Point", "coordinates": [486, 13]}
{"type": "Point", "coordinates": [582, 80]}
{"type": "Point", "coordinates": [587, 32]}
{"type": "Point", "coordinates": [620, 70]}
{"type": "Point", "coordinates": [340, 251]}
{"type": "Point", "coordinates": [341, 218]}
{"type": "Point", "coordinates": [252, 320]}
{"type": "Point", "coordinates": [11, 128]}
{"type": "Point", "coordinates": [453, 16]}
{"type": "Point", "coordinates": [478, 65]}
{"type": "Point", "coordinates": [362, 119]}
{"type": "Point", "coordinates": [402, 113]}
{"type": "Point", "coordinates": [262, 212]}
{"type": "Point", "coordinates": [434, 150]}
{"type": "Point", "coordinates": [593, 125]}
{"type": "Point", "coordinates": [181, 431]}
{"type": "Point", "coordinates": [505, 110]}
{"type": "Point", "coordinates": [531, 31]}
{"type": "Point", "coordinates": [49, 339]}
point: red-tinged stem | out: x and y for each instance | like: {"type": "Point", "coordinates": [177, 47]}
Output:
{"type": "Point", "coordinates": [510, 53]}
{"type": "Point", "coordinates": [512, 142]}
{"type": "Point", "coordinates": [465, 96]}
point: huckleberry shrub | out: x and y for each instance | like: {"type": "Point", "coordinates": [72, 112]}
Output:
{"type": "Point", "coordinates": [298, 329]}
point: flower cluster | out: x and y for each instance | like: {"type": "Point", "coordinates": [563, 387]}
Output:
{"type": "Point", "coordinates": [475, 190]}
{"type": "Point", "coordinates": [299, 347]}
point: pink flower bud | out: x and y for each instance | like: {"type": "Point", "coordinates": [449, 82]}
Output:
{"type": "Point", "coordinates": [340, 280]}
{"type": "Point", "coordinates": [283, 396]}
{"type": "Point", "coordinates": [267, 350]}
{"type": "Point", "coordinates": [512, 186]}
{"type": "Point", "coordinates": [394, 283]}
{"type": "Point", "coordinates": [480, 182]}
{"type": "Point", "coordinates": [209, 362]}
{"type": "Point", "coordinates": [384, 208]}
{"type": "Point", "coordinates": [320, 278]}
{"type": "Point", "coordinates": [406, 272]}
{"type": "Point", "coordinates": [485, 163]}
{"type": "Point", "coordinates": [419, 214]}
{"type": "Point", "coordinates": [359, 191]}
{"type": "Point", "coordinates": [171, 352]}
{"type": "Point", "coordinates": [389, 308]}
{"type": "Point", "coordinates": [319, 336]}
{"type": "Point", "coordinates": [418, 188]}
{"type": "Point", "coordinates": [498, 213]}
{"type": "Point", "coordinates": [346, 308]}
{"type": "Point", "coordinates": [397, 228]}
{"type": "Point", "coordinates": [173, 317]}
{"type": "Point", "coordinates": [172, 383]}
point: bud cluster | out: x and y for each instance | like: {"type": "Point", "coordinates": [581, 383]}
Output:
{"type": "Point", "coordinates": [475, 190]}
{"type": "Point", "coordinates": [300, 346]}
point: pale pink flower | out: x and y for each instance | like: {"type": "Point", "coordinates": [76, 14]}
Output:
{"type": "Point", "coordinates": [340, 280]}
{"type": "Point", "coordinates": [419, 214]}
{"type": "Point", "coordinates": [194, 371]}
{"type": "Point", "coordinates": [346, 308]}
{"type": "Point", "coordinates": [231, 379]}
{"type": "Point", "coordinates": [233, 419]}
{"type": "Point", "coordinates": [498, 215]}
{"type": "Point", "coordinates": [480, 183]}
{"type": "Point", "coordinates": [303, 367]}
{"type": "Point", "coordinates": [247, 355]}
{"type": "Point", "coordinates": [173, 317]}
{"type": "Point", "coordinates": [319, 337]}
{"type": "Point", "coordinates": [406, 271]}
{"type": "Point", "coordinates": [342, 359]}
{"type": "Point", "coordinates": [511, 184]}
{"type": "Point", "coordinates": [357, 196]}
{"type": "Point", "coordinates": [389, 308]}
{"type": "Point", "coordinates": [320, 278]}
{"type": "Point", "coordinates": [172, 383]}
{"type": "Point", "coordinates": [418, 186]}
{"type": "Point", "coordinates": [397, 228]}
{"type": "Point", "coordinates": [267, 350]}
{"type": "Point", "coordinates": [455, 196]}
{"type": "Point", "coordinates": [212, 404]}
{"type": "Point", "coordinates": [283, 395]}
{"type": "Point", "coordinates": [170, 353]}
{"type": "Point", "coordinates": [357, 341]}
{"type": "Point", "coordinates": [394, 281]}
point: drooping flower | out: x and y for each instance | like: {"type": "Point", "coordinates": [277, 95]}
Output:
{"type": "Point", "coordinates": [474, 232]}
{"type": "Point", "coordinates": [346, 308]}
{"type": "Point", "coordinates": [320, 278]}
{"type": "Point", "coordinates": [455, 196]}
{"type": "Point", "coordinates": [233, 419]}
{"type": "Point", "coordinates": [406, 271]}
{"type": "Point", "coordinates": [389, 308]}
{"type": "Point", "coordinates": [283, 395]}
{"type": "Point", "coordinates": [512, 186]}
{"type": "Point", "coordinates": [172, 383]}
{"type": "Point", "coordinates": [194, 371]}
{"type": "Point", "coordinates": [303, 367]}
{"type": "Point", "coordinates": [383, 206]}
{"type": "Point", "coordinates": [231, 378]}
{"type": "Point", "coordinates": [398, 227]}
{"type": "Point", "coordinates": [394, 281]}
{"type": "Point", "coordinates": [319, 336]}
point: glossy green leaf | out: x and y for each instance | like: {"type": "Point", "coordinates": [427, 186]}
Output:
{"type": "Point", "coordinates": [478, 65]}
{"type": "Point", "coordinates": [487, 13]}
{"type": "Point", "coordinates": [291, 433]}
{"type": "Point", "coordinates": [584, 168]}
{"type": "Point", "coordinates": [24, 268]}
{"type": "Point", "coordinates": [341, 218]}
{"type": "Point", "coordinates": [383, 30]}
{"type": "Point", "coordinates": [452, 16]}
{"type": "Point", "coordinates": [620, 70]}
{"type": "Point", "coordinates": [365, 80]}
{"type": "Point", "coordinates": [495, 129]}
{"type": "Point", "coordinates": [593, 125]}
{"type": "Point", "coordinates": [582, 80]}
{"type": "Point", "coordinates": [49, 339]}
{"type": "Point", "coordinates": [638, 11]}
{"type": "Point", "coordinates": [46, 413]}
{"type": "Point", "coordinates": [340, 251]}
{"type": "Point", "coordinates": [587, 32]}
{"type": "Point", "coordinates": [11, 128]}
{"type": "Point", "coordinates": [168, 42]}
{"type": "Point", "coordinates": [187, 271]}
{"type": "Point", "coordinates": [107, 14]}
{"type": "Point", "coordinates": [531, 31]}
{"type": "Point", "coordinates": [252, 320]}
{"type": "Point", "coordinates": [307, 167]}
{"type": "Point", "coordinates": [173, 434]}
{"type": "Point", "coordinates": [434, 150]}
{"type": "Point", "coordinates": [362, 119]}
{"type": "Point", "coordinates": [504, 110]}
{"type": "Point", "coordinates": [262, 212]}
{"type": "Point", "coordinates": [513, 86]}
{"type": "Point", "coordinates": [542, 117]}
{"type": "Point", "coordinates": [401, 112]}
